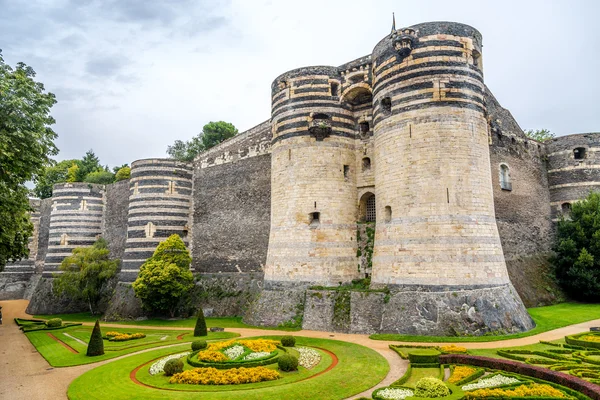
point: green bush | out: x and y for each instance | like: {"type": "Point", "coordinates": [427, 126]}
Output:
{"type": "Point", "coordinates": [200, 328]}
{"type": "Point", "coordinates": [54, 323]}
{"type": "Point", "coordinates": [199, 345]}
{"type": "Point", "coordinates": [424, 356]}
{"type": "Point", "coordinates": [288, 341]}
{"type": "Point", "coordinates": [287, 362]}
{"type": "Point", "coordinates": [96, 344]}
{"type": "Point", "coordinates": [173, 366]}
{"type": "Point", "coordinates": [431, 387]}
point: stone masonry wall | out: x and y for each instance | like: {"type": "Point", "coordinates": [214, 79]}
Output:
{"type": "Point", "coordinates": [114, 221]}
{"type": "Point", "coordinates": [523, 212]}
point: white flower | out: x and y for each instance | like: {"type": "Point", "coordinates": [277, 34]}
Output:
{"type": "Point", "coordinates": [159, 366]}
{"type": "Point", "coordinates": [234, 351]}
{"type": "Point", "coordinates": [395, 393]}
{"type": "Point", "coordinates": [308, 357]}
{"type": "Point", "coordinates": [254, 356]}
{"type": "Point", "coordinates": [496, 380]}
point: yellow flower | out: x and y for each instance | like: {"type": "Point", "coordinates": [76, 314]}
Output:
{"type": "Point", "coordinates": [233, 376]}
{"type": "Point", "coordinates": [534, 390]}
{"type": "Point", "coordinates": [460, 373]}
{"type": "Point", "coordinates": [211, 355]}
{"type": "Point", "coordinates": [451, 348]}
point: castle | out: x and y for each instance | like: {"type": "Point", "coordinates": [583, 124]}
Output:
{"type": "Point", "coordinates": [399, 166]}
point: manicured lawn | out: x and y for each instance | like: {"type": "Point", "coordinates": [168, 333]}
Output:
{"type": "Point", "coordinates": [58, 355]}
{"type": "Point", "coordinates": [349, 377]}
{"type": "Point", "coordinates": [546, 319]}
{"type": "Point", "coordinates": [417, 373]}
{"type": "Point", "coordinates": [223, 322]}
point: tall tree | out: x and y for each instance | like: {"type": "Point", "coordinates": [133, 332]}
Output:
{"type": "Point", "coordinates": [26, 145]}
{"type": "Point", "coordinates": [541, 135]}
{"type": "Point", "coordinates": [577, 260]}
{"type": "Point", "coordinates": [165, 278]}
{"type": "Point", "coordinates": [86, 273]}
{"type": "Point", "coordinates": [89, 163]}
{"type": "Point", "coordinates": [52, 175]}
{"type": "Point", "coordinates": [212, 134]}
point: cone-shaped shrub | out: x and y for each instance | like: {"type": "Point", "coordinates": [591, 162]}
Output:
{"type": "Point", "coordinates": [200, 329]}
{"type": "Point", "coordinates": [96, 345]}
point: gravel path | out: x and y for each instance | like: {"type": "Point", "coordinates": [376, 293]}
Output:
{"type": "Point", "coordinates": [24, 374]}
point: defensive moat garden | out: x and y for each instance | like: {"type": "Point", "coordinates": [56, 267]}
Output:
{"type": "Point", "coordinates": [160, 359]}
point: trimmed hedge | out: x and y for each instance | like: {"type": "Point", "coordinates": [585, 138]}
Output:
{"type": "Point", "coordinates": [96, 344]}
{"type": "Point", "coordinates": [456, 393]}
{"type": "Point", "coordinates": [173, 366]}
{"type": "Point", "coordinates": [199, 345]}
{"type": "Point", "coordinates": [200, 328]}
{"type": "Point", "coordinates": [424, 356]}
{"type": "Point", "coordinates": [404, 355]}
{"type": "Point", "coordinates": [287, 363]}
{"type": "Point", "coordinates": [271, 359]}
{"type": "Point", "coordinates": [288, 341]}
{"type": "Point", "coordinates": [54, 323]}
{"type": "Point", "coordinates": [574, 340]}
{"type": "Point", "coordinates": [578, 385]}
{"type": "Point", "coordinates": [403, 378]}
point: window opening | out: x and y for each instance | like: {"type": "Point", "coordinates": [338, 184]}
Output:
{"type": "Point", "coordinates": [505, 183]}
{"type": "Point", "coordinates": [364, 127]}
{"type": "Point", "coordinates": [320, 116]}
{"type": "Point", "coordinates": [386, 105]}
{"type": "Point", "coordinates": [371, 213]}
{"type": "Point", "coordinates": [366, 164]}
{"type": "Point", "coordinates": [334, 89]}
{"type": "Point", "coordinates": [346, 172]}
{"type": "Point", "coordinates": [315, 218]}
{"type": "Point", "coordinates": [388, 214]}
{"type": "Point", "coordinates": [579, 153]}
{"type": "Point", "coordinates": [566, 208]}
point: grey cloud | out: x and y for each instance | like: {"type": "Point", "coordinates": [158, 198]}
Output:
{"type": "Point", "coordinates": [106, 66]}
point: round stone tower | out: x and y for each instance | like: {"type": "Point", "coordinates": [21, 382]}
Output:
{"type": "Point", "coordinates": [75, 221]}
{"type": "Point", "coordinates": [160, 193]}
{"type": "Point", "coordinates": [436, 230]}
{"type": "Point", "coordinates": [313, 181]}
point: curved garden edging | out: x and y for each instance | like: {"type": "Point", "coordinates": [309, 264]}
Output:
{"type": "Point", "coordinates": [589, 389]}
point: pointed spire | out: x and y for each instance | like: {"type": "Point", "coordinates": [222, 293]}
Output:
{"type": "Point", "coordinates": [393, 23]}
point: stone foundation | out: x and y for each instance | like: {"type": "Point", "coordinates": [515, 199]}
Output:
{"type": "Point", "coordinates": [43, 301]}
{"type": "Point", "coordinates": [411, 311]}
{"type": "Point", "coordinates": [276, 306]}
{"type": "Point", "coordinates": [123, 304]}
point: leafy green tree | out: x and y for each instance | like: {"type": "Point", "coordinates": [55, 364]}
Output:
{"type": "Point", "coordinates": [123, 173]}
{"type": "Point", "coordinates": [86, 273]}
{"type": "Point", "coordinates": [577, 259]}
{"type": "Point", "coordinates": [52, 175]}
{"type": "Point", "coordinates": [101, 177]}
{"type": "Point", "coordinates": [26, 145]}
{"type": "Point", "coordinates": [89, 163]}
{"type": "Point", "coordinates": [165, 278]}
{"type": "Point", "coordinates": [16, 228]}
{"type": "Point", "coordinates": [96, 344]}
{"type": "Point", "coordinates": [212, 134]}
{"type": "Point", "coordinates": [200, 328]}
{"type": "Point", "coordinates": [541, 135]}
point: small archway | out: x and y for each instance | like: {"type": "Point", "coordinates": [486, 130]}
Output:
{"type": "Point", "coordinates": [579, 153]}
{"type": "Point", "coordinates": [505, 181]}
{"type": "Point", "coordinates": [358, 94]}
{"type": "Point", "coordinates": [367, 208]}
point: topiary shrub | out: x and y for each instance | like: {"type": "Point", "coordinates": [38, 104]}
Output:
{"type": "Point", "coordinates": [96, 344]}
{"type": "Point", "coordinates": [54, 323]}
{"type": "Point", "coordinates": [287, 362]}
{"type": "Point", "coordinates": [424, 356]}
{"type": "Point", "coordinates": [288, 341]}
{"type": "Point", "coordinates": [200, 328]}
{"type": "Point", "coordinates": [431, 387]}
{"type": "Point", "coordinates": [199, 345]}
{"type": "Point", "coordinates": [173, 366]}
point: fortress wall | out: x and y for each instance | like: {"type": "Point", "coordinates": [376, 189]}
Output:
{"type": "Point", "coordinates": [75, 221]}
{"type": "Point", "coordinates": [522, 213]}
{"type": "Point", "coordinates": [114, 221]}
{"type": "Point", "coordinates": [572, 179]}
{"type": "Point", "coordinates": [232, 204]}
{"type": "Point", "coordinates": [43, 234]}
{"type": "Point", "coordinates": [160, 195]}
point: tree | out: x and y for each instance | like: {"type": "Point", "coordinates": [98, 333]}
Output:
{"type": "Point", "coordinates": [50, 176]}
{"type": "Point", "coordinates": [165, 278]}
{"type": "Point", "coordinates": [541, 135]}
{"type": "Point", "coordinates": [26, 145]}
{"type": "Point", "coordinates": [96, 344]}
{"type": "Point", "coordinates": [123, 173]}
{"type": "Point", "coordinates": [89, 163]}
{"type": "Point", "coordinates": [101, 177]}
{"type": "Point", "coordinates": [577, 259]}
{"type": "Point", "coordinates": [86, 273]}
{"type": "Point", "coordinates": [212, 134]}
{"type": "Point", "coordinates": [200, 328]}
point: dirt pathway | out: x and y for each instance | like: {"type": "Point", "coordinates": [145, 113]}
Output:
{"type": "Point", "coordinates": [24, 374]}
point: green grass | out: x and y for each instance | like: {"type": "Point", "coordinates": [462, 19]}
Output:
{"type": "Point", "coordinates": [546, 319]}
{"type": "Point", "coordinates": [349, 377]}
{"type": "Point", "coordinates": [223, 322]}
{"type": "Point", "coordinates": [59, 356]}
{"type": "Point", "coordinates": [417, 373]}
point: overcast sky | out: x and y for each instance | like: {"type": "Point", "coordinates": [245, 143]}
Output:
{"type": "Point", "coordinates": [131, 76]}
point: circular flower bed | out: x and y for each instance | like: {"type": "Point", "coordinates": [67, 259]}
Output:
{"type": "Point", "coordinates": [159, 366]}
{"type": "Point", "coordinates": [233, 376]}
{"type": "Point", "coordinates": [236, 353]}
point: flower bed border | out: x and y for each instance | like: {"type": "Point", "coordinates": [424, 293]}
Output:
{"type": "Point", "coordinates": [576, 384]}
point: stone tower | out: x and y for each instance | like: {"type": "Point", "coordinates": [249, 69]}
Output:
{"type": "Point", "coordinates": [313, 221]}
